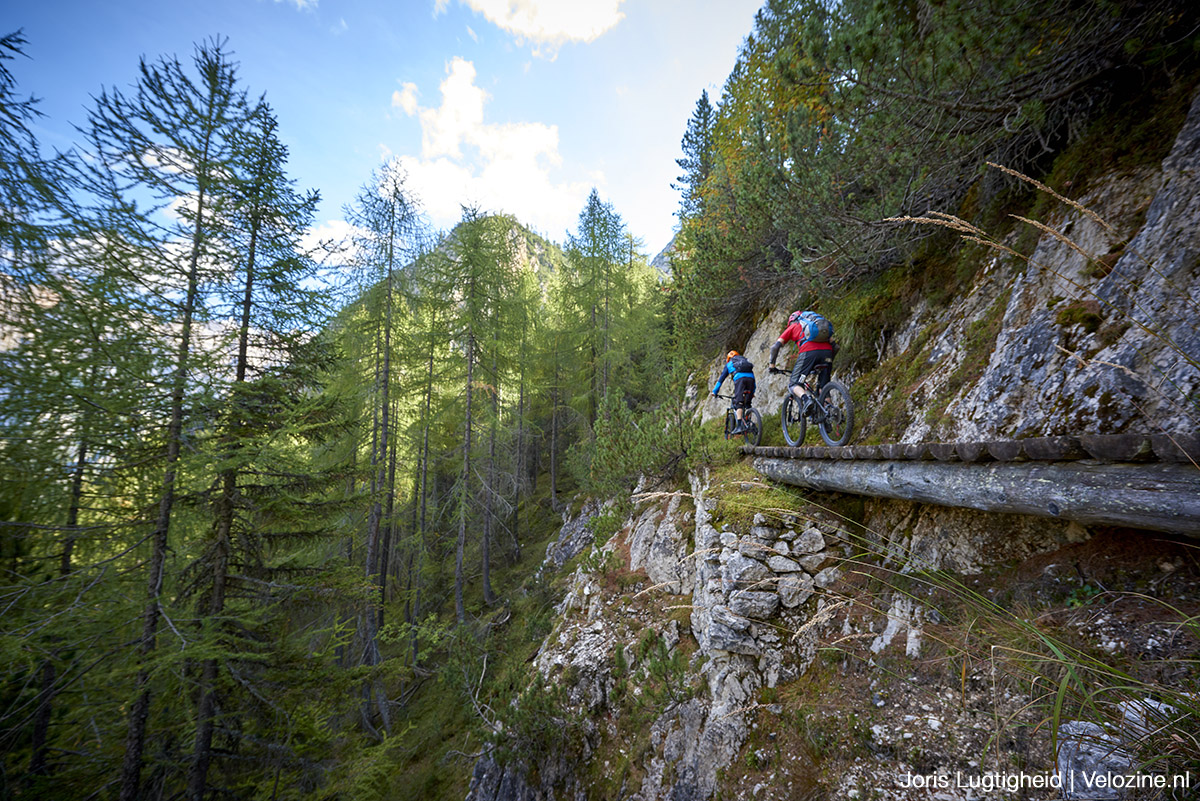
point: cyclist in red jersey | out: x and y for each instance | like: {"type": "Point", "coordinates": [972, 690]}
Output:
{"type": "Point", "coordinates": [810, 350]}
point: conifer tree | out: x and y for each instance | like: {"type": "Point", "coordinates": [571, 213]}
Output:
{"type": "Point", "coordinates": [172, 139]}
{"type": "Point", "coordinates": [594, 255]}
{"type": "Point", "coordinates": [387, 218]}
{"type": "Point", "coordinates": [272, 313]}
{"type": "Point", "coordinates": [697, 161]}
{"type": "Point", "coordinates": [427, 348]}
{"type": "Point", "coordinates": [50, 379]}
{"type": "Point", "coordinates": [481, 270]}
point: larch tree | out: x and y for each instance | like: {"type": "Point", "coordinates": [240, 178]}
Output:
{"type": "Point", "coordinates": [481, 266]}
{"type": "Point", "coordinates": [387, 220]}
{"type": "Point", "coordinates": [270, 312]}
{"type": "Point", "coordinates": [170, 143]}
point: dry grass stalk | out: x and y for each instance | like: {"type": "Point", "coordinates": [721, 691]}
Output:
{"type": "Point", "coordinates": [820, 617]}
{"type": "Point", "coordinates": [1042, 187]}
{"type": "Point", "coordinates": [1056, 234]}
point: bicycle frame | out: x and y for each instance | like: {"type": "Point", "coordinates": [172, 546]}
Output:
{"type": "Point", "coordinates": [750, 417]}
{"type": "Point", "coordinates": [834, 422]}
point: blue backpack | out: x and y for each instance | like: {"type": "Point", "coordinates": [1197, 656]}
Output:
{"type": "Point", "coordinates": [816, 327]}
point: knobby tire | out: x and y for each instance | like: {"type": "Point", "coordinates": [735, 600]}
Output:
{"type": "Point", "coordinates": [838, 423]}
{"type": "Point", "coordinates": [792, 421]}
{"type": "Point", "coordinates": [754, 421]}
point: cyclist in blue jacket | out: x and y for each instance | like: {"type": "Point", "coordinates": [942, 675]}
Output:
{"type": "Point", "coordinates": [742, 370]}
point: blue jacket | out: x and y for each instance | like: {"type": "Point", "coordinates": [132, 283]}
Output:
{"type": "Point", "coordinates": [727, 371]}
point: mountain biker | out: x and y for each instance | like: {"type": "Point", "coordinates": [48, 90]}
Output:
{"type": "Point", "coordinates": [813, 336]}
{"type": "Point", "coordinates": [742, 370]}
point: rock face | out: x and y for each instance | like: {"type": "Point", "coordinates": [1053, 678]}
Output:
{"type": "Point", "coordinates": [1098, 332]}
{"type": "Point", "coordinates": [1096, 329]}
{"type": "Point", "coordinates": [743, 591]}
{"type": "Point", "coordinates": [574, 537]}
{"type": "Point", "coordinates": [734, 628]}
{"type": "Point", "coordinates": [658, 547]}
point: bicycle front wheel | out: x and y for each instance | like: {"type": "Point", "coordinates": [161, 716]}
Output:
{"type": "Point", "coordinates": [730, 423]}
{"type": "Point", "coordinates": [838, 421]}
{"type": "Point", "coordinates": [753, 427]}
{"type": "Point", "coordinates": [792, 420]}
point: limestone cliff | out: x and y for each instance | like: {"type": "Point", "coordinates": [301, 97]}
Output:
{"type": "Point", "coordinates": [1094, 332]}
{"type": "Point", "coordinates": [735, 640]}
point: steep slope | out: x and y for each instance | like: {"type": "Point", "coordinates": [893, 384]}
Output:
{"type": "Point", "coordinates": [739, 640]}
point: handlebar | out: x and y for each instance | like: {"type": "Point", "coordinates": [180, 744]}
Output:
{"type": "Point", "coordinates": [777, 371]}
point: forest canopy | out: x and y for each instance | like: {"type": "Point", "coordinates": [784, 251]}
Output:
{"type": "Point", "coordinates": [249, 486]}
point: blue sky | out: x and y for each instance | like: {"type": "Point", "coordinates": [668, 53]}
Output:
{"type": "Point", "coordinates": [519, 106]}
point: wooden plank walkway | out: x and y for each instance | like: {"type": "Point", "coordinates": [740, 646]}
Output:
{"type": "Point", "coordinates": [1139, 481]}
{"type": "Point", "coordinates": [1174, 448]}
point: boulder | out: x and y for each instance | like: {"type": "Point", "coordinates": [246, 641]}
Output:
{"type": "Point", "coordinates": [811, 541]}
{"type": "Point", "coordinates": [781, 564]}
{"type": "Point", "coordinates": [743, 573]}
{"type": "Point", "coordinates": [795, 589]}
{"type": "Point", "coordinates": [754, 605]}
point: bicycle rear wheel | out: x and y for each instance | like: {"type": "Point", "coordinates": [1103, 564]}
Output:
{"type": "Point", "coordinates": [753, 427]}
{"type": "Point", "coordinates": [792, 420]}
{"type": "Point", "coordinates": [838, 422]}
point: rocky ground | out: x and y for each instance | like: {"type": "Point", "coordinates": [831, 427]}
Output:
{"type": "Point", "coordinates": [798, 656]}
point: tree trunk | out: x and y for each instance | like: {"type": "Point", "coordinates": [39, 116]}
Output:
{"type": "Point", "coordinates": [388, 532]}
{"type": "Point", "coordinates": [41, 720]}
{"type": "Point", "coordinates": [554, 443]}
{"type": "Point", "coordinates": [520, 466]}
{"type": "Point", "coordinates": [489, 597]}
{"type": "Point", "coordinates": [1157, 497]}
{"type": "Point", "coordinates": [421, 529]}
{"type": "Point", "coordinates": [460, 611]}
{"type": "Point", "coordinates": [135, 739]}
{"type": "Point", "coordinates": [222, 543]}
{"type": "Point", "coordinates": [207, 706]}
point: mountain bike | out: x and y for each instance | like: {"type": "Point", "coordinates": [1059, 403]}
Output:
{"type": "Point", "coordinates": [753, 420]}
{"type": "Point", "coordinates": [830, 408]}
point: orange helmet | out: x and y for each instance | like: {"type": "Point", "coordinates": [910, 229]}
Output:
{"type": "Point", "coordinates": [731, 354]}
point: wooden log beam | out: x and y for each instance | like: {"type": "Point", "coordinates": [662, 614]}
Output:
{"type": "Point", "coordinates": [1153, 496]}
{"type": "Point", "coordinates": [1054, 449]}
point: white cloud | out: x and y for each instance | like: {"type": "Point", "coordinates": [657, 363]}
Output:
{"type": "Point", "coordinates": [499, 167]}
{"type": "Point", "coordinates": [406, 98]}
{"type": "Point", "coordinates": [443, 128]}
{"type": "Point", "coordinates": [548, 23]}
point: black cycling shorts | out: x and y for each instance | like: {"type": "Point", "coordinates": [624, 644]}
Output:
{"type": "Point", "coordinates": [808, 361]}
{"type": "Point", "coordinates": [743, 392]}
